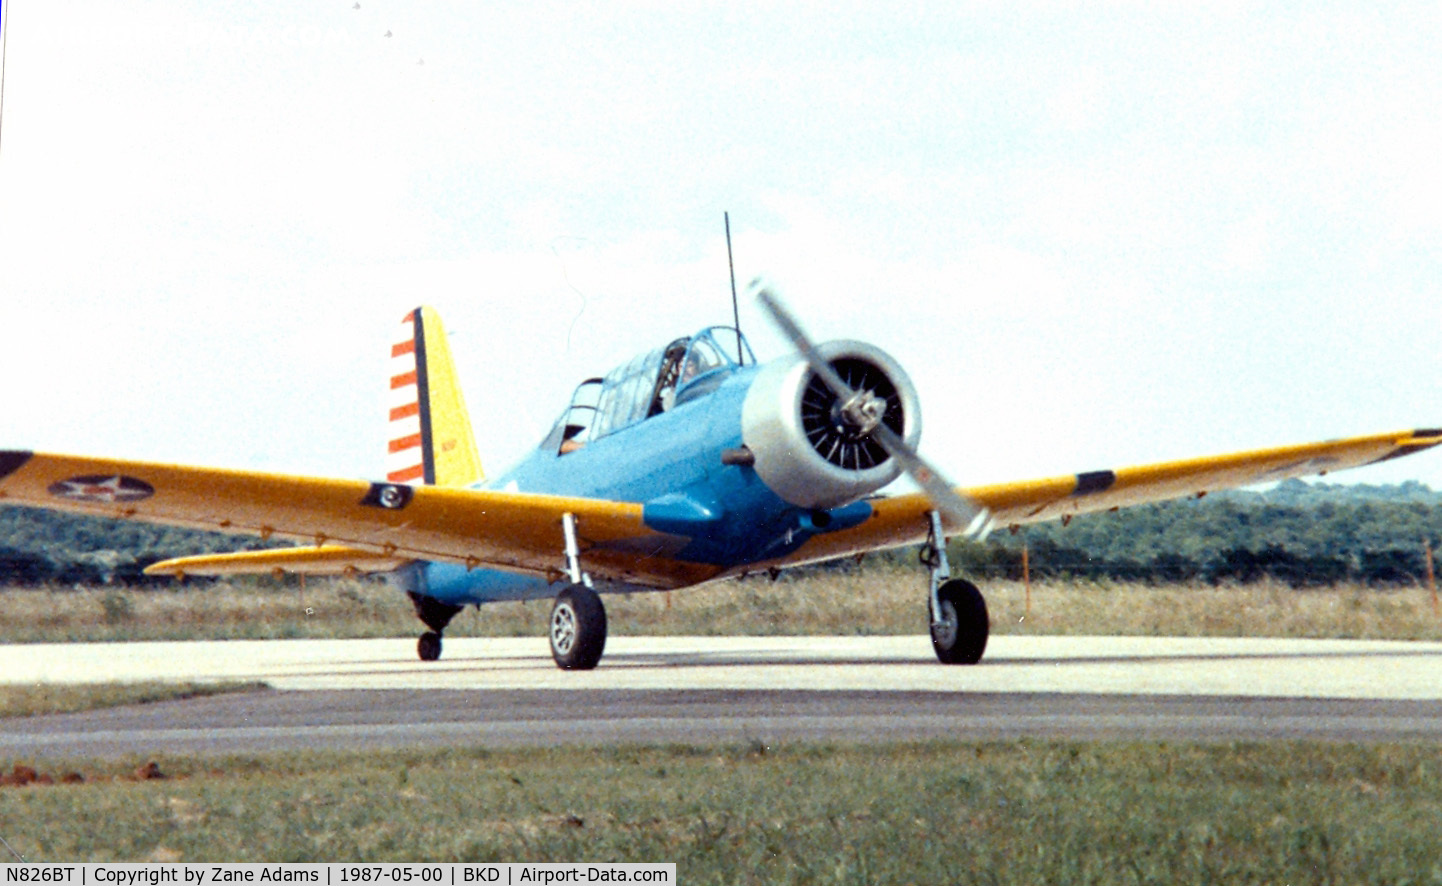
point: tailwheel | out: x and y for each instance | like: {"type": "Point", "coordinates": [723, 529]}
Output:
{"type": "Point", "coordinates": [578, 629]}
{"type": "Point", "coordinates": [436, 614]}
{"type": "Point", "coordinates": [960, 627]}
{"type": "Point", "coordinates": [429, 646]}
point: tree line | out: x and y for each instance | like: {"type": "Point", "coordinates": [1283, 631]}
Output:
{"type": "Point", "coordinates": [1299, 533]}
{"type": "Point", "coordinates": [39, 547]}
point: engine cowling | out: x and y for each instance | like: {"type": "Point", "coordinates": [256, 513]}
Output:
{"type": "Point", "coordinates": [805, 451]}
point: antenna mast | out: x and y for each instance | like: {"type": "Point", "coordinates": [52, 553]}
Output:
{"type": "Point", "coordinates": [735, 309]}
{"type": "Point", "coordinates": [4, 47]}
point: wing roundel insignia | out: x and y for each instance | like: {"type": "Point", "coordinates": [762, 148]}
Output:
{"type": "Point", "coordinates": [102, 489]}
{"type": "Point", "coordinates": [392, 496]}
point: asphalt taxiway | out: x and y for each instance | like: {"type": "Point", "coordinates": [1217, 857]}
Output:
{"type": "Point", "coordinates": [374, 693]}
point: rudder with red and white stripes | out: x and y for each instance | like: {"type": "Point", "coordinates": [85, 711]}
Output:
{"type": "Point", "coordinates": [430, 439]}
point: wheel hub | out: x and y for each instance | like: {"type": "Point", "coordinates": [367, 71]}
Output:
{"type": "Point", "coordinates": [563, 629]}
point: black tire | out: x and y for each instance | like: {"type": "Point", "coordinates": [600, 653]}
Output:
{"type": "Point", "coordinates": [577, 629]}
{"type": "Point", "coordinates": [960, 638]}
{"type": "Point", "coordinates": [429, 646]}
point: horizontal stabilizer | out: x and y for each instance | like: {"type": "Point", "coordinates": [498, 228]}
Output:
{"type": "Point", "coordinates": [327, 560]}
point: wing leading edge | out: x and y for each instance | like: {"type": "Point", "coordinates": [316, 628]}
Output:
{"type": "Point", "coordinates": [309, 560]}
{"type": "Point", "coordinates": [902, 520]}
{"type": "Point", "coordinates": [360, 526]}
{"type": "Point", "coordinates": [382, 524]}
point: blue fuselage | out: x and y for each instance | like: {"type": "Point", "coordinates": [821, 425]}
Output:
{"type": "Point", "coordinates": [671, 462]}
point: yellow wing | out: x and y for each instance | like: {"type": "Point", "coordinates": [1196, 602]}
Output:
{"type": "Point", "coordinates": [355, 525]}
{"type": "Point", "coordinates": [378, 521]}
{"type": "Point", "coordinates": [902, 520]}
{"type": "Point", "coordinates": [317, 560]}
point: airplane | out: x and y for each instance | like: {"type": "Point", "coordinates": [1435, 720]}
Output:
{"type": "Point", "coordinates": [689, 464]}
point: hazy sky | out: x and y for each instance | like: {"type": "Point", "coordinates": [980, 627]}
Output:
{"type": "Point", "coordinates": [1096, 234]}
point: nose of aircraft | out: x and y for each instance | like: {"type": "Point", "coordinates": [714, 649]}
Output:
{"type": "Point", "coordinates": [959, 513]}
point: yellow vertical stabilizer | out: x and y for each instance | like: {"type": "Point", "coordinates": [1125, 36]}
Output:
{"type": "Point", "coordinates": [430, 431]}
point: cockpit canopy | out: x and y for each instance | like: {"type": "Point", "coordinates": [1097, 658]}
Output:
{"type": "Point", "coordinates": [650, 384]}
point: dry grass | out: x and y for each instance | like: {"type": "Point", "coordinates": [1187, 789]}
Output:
{"type": "Point", "coordinates": [944, 812]}
{"type": "Point", "coordinates": [60, 698]}
{"type": "Point", "coordinates": [1263, 609]}
{"type": "Point", "coordinates": [874, 600]}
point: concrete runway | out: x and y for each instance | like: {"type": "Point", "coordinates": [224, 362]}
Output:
{"type": "Point", "coordinates": [368, 693]}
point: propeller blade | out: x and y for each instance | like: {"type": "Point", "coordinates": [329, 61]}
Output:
{"type": "Point", "coordinates": [792, 330]}
{"type": "Point", "coordinates": [959, 512]}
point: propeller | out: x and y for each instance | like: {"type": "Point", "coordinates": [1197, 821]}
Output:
{"type": "Point", "coordinates": [863, 411]}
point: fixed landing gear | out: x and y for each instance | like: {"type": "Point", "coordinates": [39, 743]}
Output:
{"type": "Point", "coordinates": [578, 629]}
{"type": "Point", "coordinates": [578, 620]}
{"type": "Point", "coordinates": [436, 616]}
{"type": "Point", "coordinates": [960, 630]}
{"type": "Point", "coordinates": [959, 621]}
{"type": "Point", "coordinates": [577, 625]}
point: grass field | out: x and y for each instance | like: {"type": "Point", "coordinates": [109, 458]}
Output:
{"type": "Point", "coordinates": [995, 813]}
{"type": "Point", "coordinates": [1014, 812]}
{"type": "Point", "coordinates": [60, 698]}
{"type": "Point", "coordinates": [871, 600]}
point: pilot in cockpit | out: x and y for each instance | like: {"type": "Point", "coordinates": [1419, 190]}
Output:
{"type": "Point", "coordinates": [670, 377]}
{"type": "Point", "coordinates": [700, 357]}
{"type": "Point", "coordinates": [701, 361]}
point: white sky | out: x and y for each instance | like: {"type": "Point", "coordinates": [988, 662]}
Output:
{"type": "Point", "coordinates": [1096, 234]}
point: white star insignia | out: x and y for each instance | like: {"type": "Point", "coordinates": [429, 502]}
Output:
{"type": "Point", "coordinates": [101, 489]}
